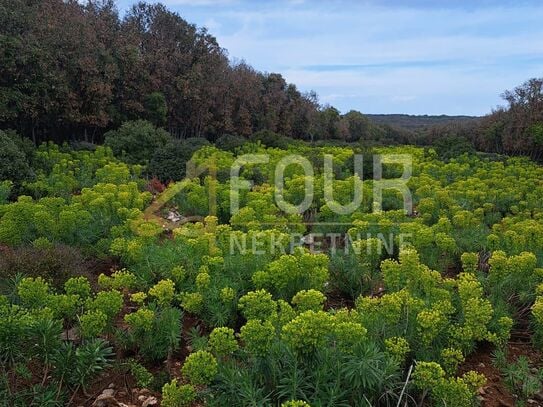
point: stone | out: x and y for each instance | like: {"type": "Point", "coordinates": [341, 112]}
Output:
{"type": "Point", "coordinates": [150, 401]}
{"type": "Point", "coordinates": [109, 392]}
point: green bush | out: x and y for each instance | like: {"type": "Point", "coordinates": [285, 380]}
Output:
{"type": "Point", "coordinates": [230, 142]}
{"type": "Point", "coordinates": [154, 333]}
{"type": "Point", "coordinates": [169, 162]}
{"type": "Point", "coordinates": [309, 300]}
{"type": "Point", "coordinates": [144, 378]}
{"type": "Point", "coordinates": [135, 142]}
{"type": "Point", "coordinates": [5, 191]}
{"type": "Point", "coordinates": [92, 323]}
{"type": "Point", "coordinates": [15, 163]}
{"type": "Point", "coordinates": [79, 286]}
{"type": "Point", "coordinates": [292, 273]}
{"type": "Point", "coordinates": [200, 368]}
{"type": "Point", "coordinates": [222, 341]}
{"type": "Point", "coordinates": [33, 292]}
{"type": "Point", "coordinates": [271, 139]}
{"type": "Point", "coordinates": [108, 302]}
{"type": "Point", "coordinates": [257, 336]}
{"type": "Point", "coordinates": [257, 305]}
{"type": "Point", "coordinates": [174, 395]}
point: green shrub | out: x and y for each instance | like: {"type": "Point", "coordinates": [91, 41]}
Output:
{"type": "Point", "coordinates": [397, 347]}
{"type": "Point", "coordinates": [15, 164]}
{"type": "Point", "coordinates": [308, 331]}
{"type": "Point", "coordinates": [174, 395]}
{"type": "Point", "coordinates": [522, 379]}
{"type": "Point", "coordinates": [455, 391]}
{"type": "Point", "coordinates": [163, 291]}
{"type": "Point", "coordinates": [92, 323]}
{"type": "Point", "coordinates": [222, 341]}
{"type": "Point", "coordinates": [257, 336]}
{"type": "Point", "coordinates": [169, 162]}
{"type": "Point", "coordinates": [5, 191]}
{"type": "Point", "coordinates": [290, 274]}
{"type": "Point", "coordinates": [154, 333]}
{"type": "Point", "coordinates": [79, 286]}
{"type": "Point", "coordinates": [295, 403]}
{"type": "Point", "coordinates": [144, 378]}
{"type": "Point", "coordinates": [119, 280]}
{"type": "Point", "coordinates": [229, 142]}
{"type": "Point", "coordinates": [309, 300]}
{"type": "Point", "coordinates": [33, 292]}
{"type": "Point", "coordinates": [257, 305]}
{"type": "Point", "coordinates": [271, 139]}
{"type": "Point", "coordinates": [200, 368]}
{"type": "Point", "coordinates": [109, 303]}
{"type": "Point", "coordinates": [135, 142]}
{"type": "Point", "coordinates": [141, 320]}
{"type": "Point", "coordinates": [64, 306]}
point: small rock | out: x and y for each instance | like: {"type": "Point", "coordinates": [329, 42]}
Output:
{"type": "Point", "coordinates": [142, 397]}
{"type": "Point", "coordinates": [531, 401]}
{"type": "Point", "coordinates": [481, 364]}
{"type": "Point", "coordinates": [111, 386]}
{"type": "Point", "coordinates": [173, 216]}
{"type": "Point", "coordinates": [151, 401]}
{"type": "Point", "coordinates": [482, 391]}
{"type": "Point", "coordinates": [108, 392]}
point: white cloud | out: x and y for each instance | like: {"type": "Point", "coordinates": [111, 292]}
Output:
{"type": "Point", "coordinates": [434, 60]}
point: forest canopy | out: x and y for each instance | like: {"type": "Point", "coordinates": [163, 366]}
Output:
{"type": "Point", "coordinates": [73, 71]}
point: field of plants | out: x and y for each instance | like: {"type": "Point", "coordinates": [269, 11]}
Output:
{"type": "Point", "coordinates": [117, 291]}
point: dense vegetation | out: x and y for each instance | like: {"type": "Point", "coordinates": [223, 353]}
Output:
{"type": "Point", "coordinates": [514, 129]}
{"type": "Point", "coordinates": [118, 264]}
{"type": "Point", "coordinates": [197, 319]}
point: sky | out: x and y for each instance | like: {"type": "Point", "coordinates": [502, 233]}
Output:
{"type": "Point", "coordinates": [390, 56]}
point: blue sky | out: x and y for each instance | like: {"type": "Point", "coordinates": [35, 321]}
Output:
{"type": "Point", "coordinates": [392, 56]}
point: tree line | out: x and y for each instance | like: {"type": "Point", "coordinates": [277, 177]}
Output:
{"type": "Point", "coordinates": [513, 129]}
{"type": "Point", "coordinates": [74, 71]}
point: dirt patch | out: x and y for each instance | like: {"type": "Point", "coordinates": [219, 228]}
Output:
{"type": "Point", "coordinates": [495, 392]}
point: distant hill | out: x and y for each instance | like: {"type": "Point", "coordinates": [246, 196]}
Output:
{"type": "Point", "coordinates": [417, 122]}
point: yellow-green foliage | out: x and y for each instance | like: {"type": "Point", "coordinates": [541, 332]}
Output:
{"type": "Point", "coordinates": [307, 300]}
{"type": "Point", "coordinates": [163, 292]}
{"type": "Point", "coordinates": [222, 341]}
{"type": "Point", "coordinates": [200, 368]}
{"type": "Point", "coordinates": [257, 336]}
{"type": "Point", "coordinates": [174, 395]}
{"type": "Point", "coordinates": [292, 273]}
